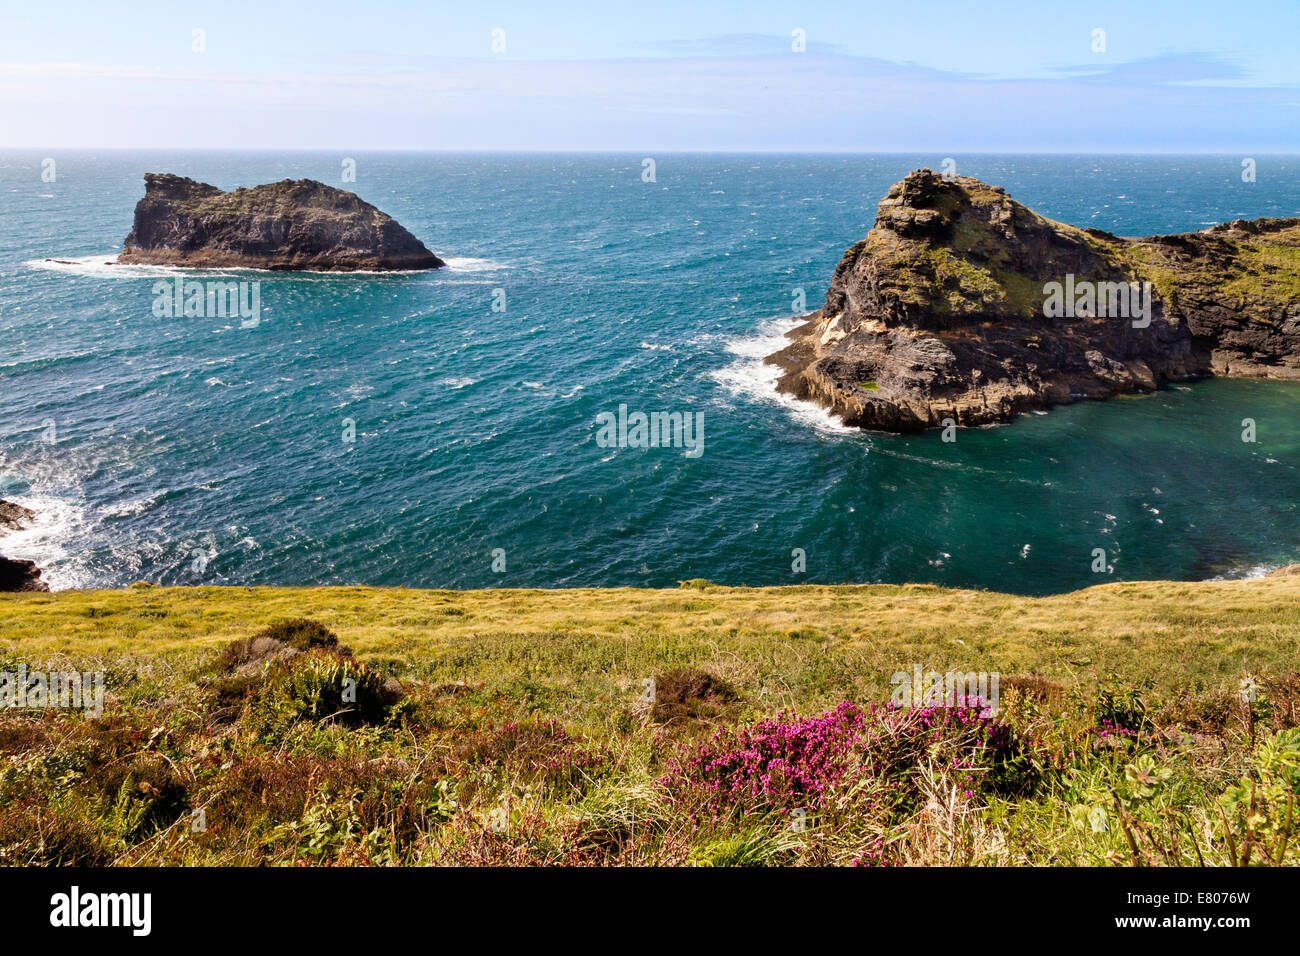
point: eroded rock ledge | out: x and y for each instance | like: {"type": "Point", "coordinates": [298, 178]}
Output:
{"type": "Point", "coordinates": [16, 575]}
{"type": "Point", "coordinates": [939, 313]}
{"type": "Point", "coordinates": [293, 225]}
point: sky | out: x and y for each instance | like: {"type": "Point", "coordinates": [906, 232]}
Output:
{"type": "Point", "coordinates": [844, 76]}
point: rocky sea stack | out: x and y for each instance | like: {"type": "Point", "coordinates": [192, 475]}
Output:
{"type": "Point", "coordinates": [962, 304]}
{"type": "Point", "coordinates": [293, 225]}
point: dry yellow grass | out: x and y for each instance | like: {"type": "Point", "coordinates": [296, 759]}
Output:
{"type": "Point", "coordinates": [853, 637]}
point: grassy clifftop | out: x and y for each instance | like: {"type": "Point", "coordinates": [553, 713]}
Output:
{"type": "Point", "coordinates": [1172, 632]}
{"type": "Point", "coordinates": [699, 725]}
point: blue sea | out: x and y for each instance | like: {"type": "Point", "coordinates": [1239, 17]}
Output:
{"type": "Point", "coordinates": [191, 450]}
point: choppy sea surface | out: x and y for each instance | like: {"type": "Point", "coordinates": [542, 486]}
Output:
{"type": "Point", "coordinates": [194, 450]}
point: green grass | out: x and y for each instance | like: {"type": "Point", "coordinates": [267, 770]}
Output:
{"type": "Point", "coordinates": [966, 286]}
{"type": "Point", "coordinates": [1268, 270]}
{"type": "Point", "coordinates": [524, 735]}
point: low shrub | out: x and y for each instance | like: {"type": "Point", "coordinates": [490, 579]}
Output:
{"type": "Point", "coordinates": [1259, 814]}
{"type": "Point", "coordinates": [689, 693]}
{"type": "Point", "coordinates": [1120, 710]}
{"type": "Point", "coordinates": [303, 633]}
{"type": "Point", "coordinates": [800, 763]}
{"type": "Point", "coordinates": [537, 750]}
{"type": "Point", "coordinates": [319, 686]}
{"type": "Point", "coordinates": [31, 835]}
{"type": "Point", "coordinates": [148, 796]}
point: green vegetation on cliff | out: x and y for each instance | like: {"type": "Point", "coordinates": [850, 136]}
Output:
{"type": "Point", "coordinates": [967, 306]}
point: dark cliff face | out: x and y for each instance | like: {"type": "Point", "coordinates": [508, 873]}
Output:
{"type": "Point", "coordinates": [20, 576]}
{"type": "Point", "coordinates": [946, 310]}
{"type": "Point", "coordinates": [293, 225]}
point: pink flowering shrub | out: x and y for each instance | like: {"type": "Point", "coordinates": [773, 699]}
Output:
{"type": "Point", "coordinates": [789, 762]}
{"type": "Point", "coordinates": [771, 764]}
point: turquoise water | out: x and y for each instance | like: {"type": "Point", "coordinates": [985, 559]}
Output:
{"type": "Point", "coordinates": [191, 450]}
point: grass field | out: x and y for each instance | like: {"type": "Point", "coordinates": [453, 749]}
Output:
{"type": "Point", "coordinates": [1138, 724]}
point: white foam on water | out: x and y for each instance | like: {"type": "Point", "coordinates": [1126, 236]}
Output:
{"type": "Point", "coordinates": [750, 378]}
{"type": "Point", "coordinates": [1247, 573]}
{"type": "Point", "coordinates": [101, 266]}
{"type": "Point", "coordinates": [59, 524]}
{"type": "Point", "coordinates": [106, 266]}
{"type": "Point", "coordinates": [471, 264]}
{"type": "Point", "coordinates": [456, 382]}
{"type": "Point", "coordinates": [132, 507]}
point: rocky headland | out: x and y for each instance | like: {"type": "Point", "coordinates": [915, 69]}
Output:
{"type": "Point", "coordinates": [964, 305]}
{"type": "Point", "coordinates": [293, 225]}
{"type": "Point", "coordinates": [18, 575]}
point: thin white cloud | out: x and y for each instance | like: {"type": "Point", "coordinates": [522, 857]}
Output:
{"type": "Point", "coordinates": [794, 101]}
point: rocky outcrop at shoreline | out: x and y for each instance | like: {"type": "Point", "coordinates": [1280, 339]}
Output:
{"type": "Point", "coordinates": [293, 225]}
{"type": "Point", "coordinates": [14, 517]}
{"type": "Point", "coordinates": [18, 575]}
{"type": "Point", "coordinates": [965, 306]}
